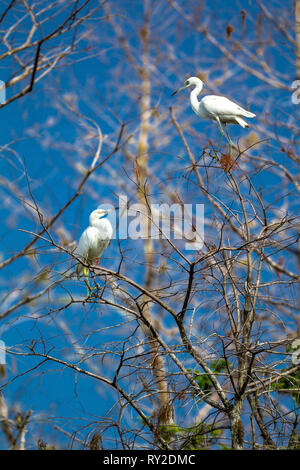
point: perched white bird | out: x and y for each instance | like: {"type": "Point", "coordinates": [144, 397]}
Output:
{"type": "Point", "coordinates": [217, 108]}
{"type": "Point", "coordinates": [94, 239]}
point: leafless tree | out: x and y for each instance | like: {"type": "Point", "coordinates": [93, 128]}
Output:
{"type": "Point", "coordinates": [185, 349]}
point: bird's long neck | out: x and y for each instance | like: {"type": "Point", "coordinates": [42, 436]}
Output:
{"type": "Point", "coordinates": [93, 220]}
{"type": "Point", "coordinates": [102, 224]}
{"type": "Point", "coordinates": [194, 97]}
{"type": "Point", "coordinates": [98, 223]}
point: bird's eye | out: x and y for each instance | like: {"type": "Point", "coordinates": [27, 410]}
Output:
{"type": "Point", "coordinates": [186, 82]}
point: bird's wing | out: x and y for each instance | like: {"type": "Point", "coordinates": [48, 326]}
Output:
{"type": "Point", "coordinates": [222, 106]}
{"type": "Point", "coordinates": [92, 243]}
{"type": "Point", "coordinates": [86, 241]}
{"type": "Point", "coordinates": [102, 244]}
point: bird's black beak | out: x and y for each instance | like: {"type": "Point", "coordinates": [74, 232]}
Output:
{"type": "Point", "coordinates": [179, 89]}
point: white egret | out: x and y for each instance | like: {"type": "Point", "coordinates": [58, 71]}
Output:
{"type": "Point", "coordinates": [216, 108]}
{"type": "Point", "coordinates": [94, 240]}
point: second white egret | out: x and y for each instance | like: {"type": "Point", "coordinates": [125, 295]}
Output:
{"type": "Point", "coordinates": [94, 240]}
{"type": "Point", "coordinates": [217, 108]}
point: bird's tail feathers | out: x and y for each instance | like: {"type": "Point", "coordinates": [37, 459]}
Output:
{"type": "Point", "coordinates": [241, 121]}
{"type": "Point", "coordinates": [248, 114]}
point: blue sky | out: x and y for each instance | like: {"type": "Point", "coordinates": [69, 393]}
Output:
{"type": "Point", "coordinates": [50, 142]}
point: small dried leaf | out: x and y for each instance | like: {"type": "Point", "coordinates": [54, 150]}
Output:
{"type": "Point", "coordinates": [227, 162]}
{"type": "Point", "coordinates": [229, 30]}
{"type": "Point", "coordinates": [243, 18]}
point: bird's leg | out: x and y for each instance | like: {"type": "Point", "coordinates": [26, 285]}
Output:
{"type": "Point", "coordinates": [86, 273]}
{"type": "Point", "coordinates": [229, 141]}
{"type": "Point", "coordinates": [221, 131]}
{"type": "Point", "coordinates": [219, 142]}
{"type": "Point", "coordinates": [97, 261]}
{"type": "Point", "coordinates": [97, 286]}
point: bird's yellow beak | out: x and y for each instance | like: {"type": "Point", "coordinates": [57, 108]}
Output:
{"type": "Point", "coordinates": [108, 210]}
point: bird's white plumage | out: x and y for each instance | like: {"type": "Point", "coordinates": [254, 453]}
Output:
{"type": "Point", "coordinates": [215, 107]}
{"type": "Point", "coordinates": [95, 238]}
{"type": "Point", "coordinates": [221, 106]}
